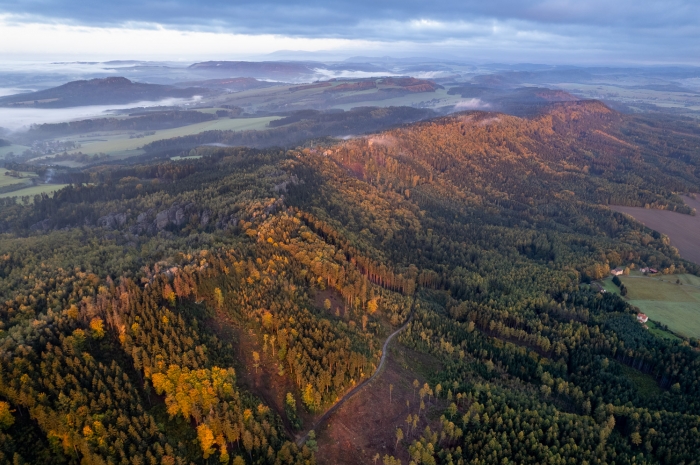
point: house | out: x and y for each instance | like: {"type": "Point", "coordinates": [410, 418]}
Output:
{"type": "Point", "coordinates": [652, 270]}
{"type": "Point", "coordinates": [642, 318]}
{"type": "Point", "coordinates": [644, 270]}
{"type": "Point", "coordinates": [617, 271]}
{"type": "Point", "coordinates": [648, 270]}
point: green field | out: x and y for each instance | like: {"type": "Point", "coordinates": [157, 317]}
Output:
{"type": "Point", "coordinates": [10, 180]}
{"type": "Point", "coordinates": [609, 286]}
{"type": "Point", "coordinates": [34, 190]}
{"type": "Point", "coordinates": [676, 306]}
{"type": "Point", "coordinates": [658, 332]}
{"type": "Point", "coordinates": [119, 144]}
{"type": "Point", "coordinates": [16, 149]}
{"type": "Point", "coordinates": [410, 99]}
{"type": "Point", "coordinates": [633, 95]}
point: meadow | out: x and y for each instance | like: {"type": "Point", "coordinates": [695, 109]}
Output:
{"type": "Point", "coordinates": [120, 144]}
{"type": "Point", "coordinates": [34, 190]}
{"type": "Point", "coordinates": [634, 95]}
{"type": "Point", "coordinates": [674, 305]}
{"type": "Point", "coordinates": [10, 180]}
{"type": "Point", "coordinates": [16, 149]}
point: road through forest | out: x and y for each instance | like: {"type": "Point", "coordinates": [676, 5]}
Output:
{"type": "Point", "coordinates": [358, 388]}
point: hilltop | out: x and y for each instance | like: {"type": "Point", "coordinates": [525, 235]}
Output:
{"type": "Point", "coordinates": [106, 91]}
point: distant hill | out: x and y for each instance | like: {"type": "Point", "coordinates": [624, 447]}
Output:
{"type": "Point", "coordinates": [289, 71]}
{"type": "Point", "coordinates": [522, 101]}
{"type": "Point", "coordinates": [237, 84]}
{"type": "Point", "coordinates": [277, 70]}
{"type": "Point", "coordinates": [107, 91]}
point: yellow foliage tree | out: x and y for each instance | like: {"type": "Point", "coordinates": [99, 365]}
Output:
{"type": "Point", "coordinates": [97, 328]}
{"type": "Point", "coordinates": [206, 440]}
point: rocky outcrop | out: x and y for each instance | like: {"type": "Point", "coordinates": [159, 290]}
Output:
{"type": "Point", "coordinates": [112, 221]}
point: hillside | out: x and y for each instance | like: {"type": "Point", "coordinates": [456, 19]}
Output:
{"type": "Point", "coordinates": [107, 91]}
{"type": "Point", "coordinates": [232, 84]}
{"type": "Point", "coordinates": [285, 71]}
{"type": "Point", "coordinates": [210, 309]}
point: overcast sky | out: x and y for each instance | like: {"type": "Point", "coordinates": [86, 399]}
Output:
{"type": "Point", "coordinates": [543, 31]}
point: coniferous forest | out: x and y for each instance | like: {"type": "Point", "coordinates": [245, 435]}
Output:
{"type": "Point", "coordinates": [128, 296]}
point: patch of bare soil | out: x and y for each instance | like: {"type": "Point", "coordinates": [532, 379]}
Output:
{"type": "Point", "coordinates": [366, 424]}
{"type": "Point", "coordinates": [681, 229]}
{"type": "Point", "coordinates": [265, 381]}
{"type": "Point", "coordinates": [337, 307]}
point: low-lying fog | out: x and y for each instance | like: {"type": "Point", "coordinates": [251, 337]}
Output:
{"type": "Point", "coordinates": [19, 119]}
{"type": "Point", "coordinates": [13, 91]}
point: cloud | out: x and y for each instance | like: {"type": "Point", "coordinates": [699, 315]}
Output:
{"type": "Point", "coordinates": [471, 104]}
{"type": "Point", "coordinates": [648, 31]}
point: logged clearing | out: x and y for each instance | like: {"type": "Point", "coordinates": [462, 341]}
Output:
{"type": "Point", "coordinates": [646, 384]}
{"type": "Point", "coordinates": [675, 305]}
{"type": "Point", "coordinates": [683, 230]}
{"type": "Point", "coordinates": [366, 424]}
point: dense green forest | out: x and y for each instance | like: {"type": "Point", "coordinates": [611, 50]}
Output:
{"type": "Point", "coordinates": [126, 296]}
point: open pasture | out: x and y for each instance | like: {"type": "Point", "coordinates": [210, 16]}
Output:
{"type": "Point", "coordinates": [674, 305]}
{"type": "Point", "coordinates": [632, 94]}
{"type": "Point", "coordinates": [10, 180]}
{"type": "Point", "coordinates": [34, 190]}
{"type": "Point", "coordinates": [120, 144]}
{"type": "Point", "coordinates": [16, 149]}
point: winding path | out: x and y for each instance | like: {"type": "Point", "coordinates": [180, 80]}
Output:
{"type": "Point", "coordinates": [359, 387]}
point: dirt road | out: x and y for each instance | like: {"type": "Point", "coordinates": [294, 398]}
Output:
{"type": "Point", "coordinates": [358, 388]}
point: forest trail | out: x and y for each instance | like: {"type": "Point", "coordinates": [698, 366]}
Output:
{"type": "Point", "coordinates": [358, 388]}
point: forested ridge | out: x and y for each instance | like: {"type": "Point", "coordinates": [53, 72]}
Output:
{"type": "Point", "coordinates": [124, 296]}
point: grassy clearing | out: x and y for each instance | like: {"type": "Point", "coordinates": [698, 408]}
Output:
{"type": "Point", "coordinates": [407, 100]}
{"type": "Point", "coordinates": [676, 306]}
{"type": "Point", "coordinates": [16, 149]}
{"type": "Point", "coordinates": [34, 190]}
{"type": "Point", "coordinates": [10, 180]}
{"type": "Point", "coordinates": [681, 317]}
{"type": "Point", "coordinates": [662, 333]}
{"type": "Point", "coordinates": [119, 143]}
{"type": "Point", "coordinates": [646, 385]}
{"type": "Point", "coordinates": [630, 95]}
{"type": "Point", "coordinates": [660, 289]}
{"type": "Point", "coordinates": [609, 286]}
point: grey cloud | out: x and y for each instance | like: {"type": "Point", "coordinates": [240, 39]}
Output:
{"type": "Point", "coordinates": [640, 30]}
{"type": "Point", "coordinates": [344, 18]}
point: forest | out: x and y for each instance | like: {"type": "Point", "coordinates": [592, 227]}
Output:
{"type": "Point", "coordinates": [131, 298]}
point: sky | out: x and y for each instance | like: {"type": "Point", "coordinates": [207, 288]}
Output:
{"type": "Point", "coordinates": [509, 31]}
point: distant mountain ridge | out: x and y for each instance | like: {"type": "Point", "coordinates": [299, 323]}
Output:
{"type": "Point", "coordinates": [236, 84]}
{"type": "Point", "coordinates": [289, 71]}
{"type": "Point", "coordinates": [106, 91]}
